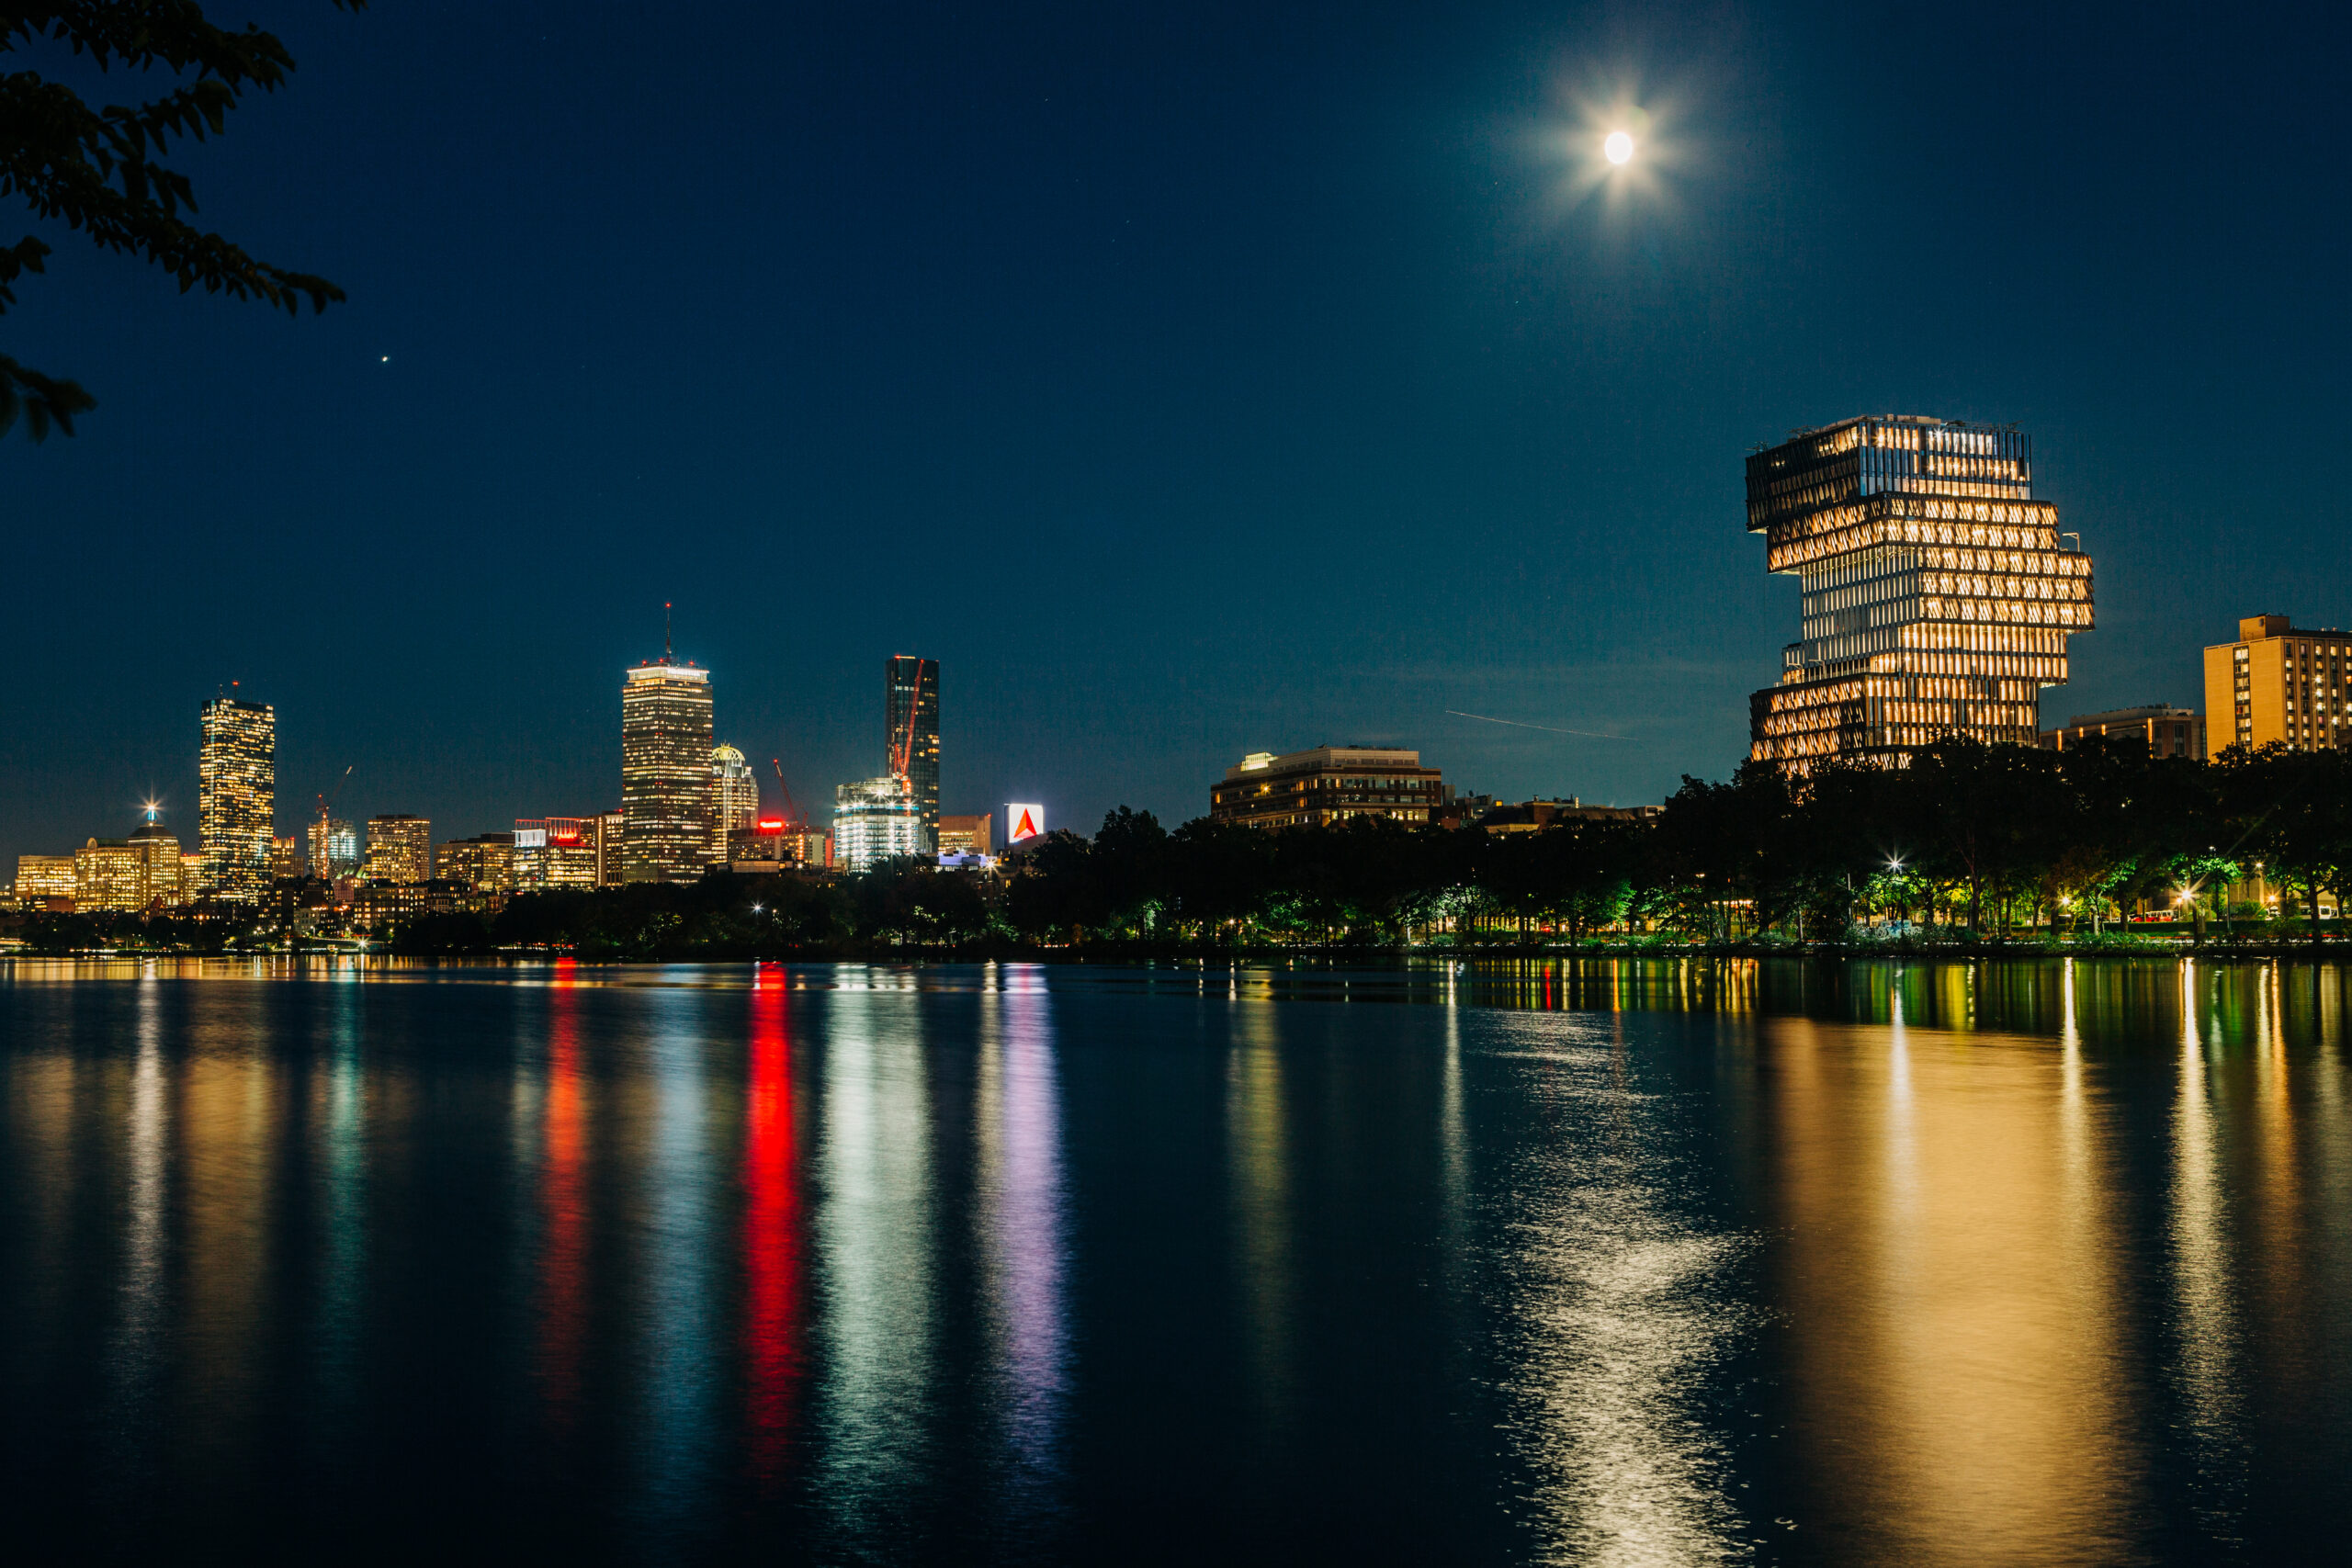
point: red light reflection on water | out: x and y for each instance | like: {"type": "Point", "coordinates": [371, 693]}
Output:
{"type": "Point", "coordinates": [771, 1238]}
{"type": "Point", "coordinates": [563, 1256]}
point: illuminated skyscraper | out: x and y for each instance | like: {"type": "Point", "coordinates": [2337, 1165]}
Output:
{"type": "Point", "coordinates": [910, 732]}
{"type": "Point", "coordinates": [335, 848]}
{"type": "Point", "coordinates": [1936, 600]}
{"type": "Point", "coordinates": [735, 797]}
{"type": "Point", "coordinates": [665, 771]}
{"type": "Point", "coordinates": [875, 820]}
{"type": "Point", "coordinates": [237, 783]}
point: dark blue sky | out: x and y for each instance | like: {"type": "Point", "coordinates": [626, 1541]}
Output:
{"type": "Point", "coordinates": [1187, 379]}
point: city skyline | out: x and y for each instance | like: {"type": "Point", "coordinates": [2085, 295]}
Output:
{"type": "Point", "coordinates": [243, 735]}
{"type": "Point", "coordinates": [1373, 378]}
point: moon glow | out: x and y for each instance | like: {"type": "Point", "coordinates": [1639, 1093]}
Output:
{"type": "Point", "coordinates": [1617, 148]}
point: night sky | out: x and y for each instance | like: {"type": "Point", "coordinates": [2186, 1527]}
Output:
{"type": "Point", "coordinates": [1187, 379]}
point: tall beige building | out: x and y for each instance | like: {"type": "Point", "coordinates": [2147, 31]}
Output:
{"type": "Point", "coordinates": [665, 771]}
{"type": "Point", "coordinates": [610, 841]}
{"type": "Point", "coordinates": [400, 849]}
{"type": "Point", "coordinates": [108, 874]}
{"type": "Point", "coordinates": [2278, 682]}
{"type": "Point", "coordinates": [237, 782]}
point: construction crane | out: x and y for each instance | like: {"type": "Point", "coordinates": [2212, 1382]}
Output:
{"type": "Point", "coordinates": [791, 812]}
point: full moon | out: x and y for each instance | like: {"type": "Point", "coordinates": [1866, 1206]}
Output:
{"type": "Point", "coordinates": [1617, 148]}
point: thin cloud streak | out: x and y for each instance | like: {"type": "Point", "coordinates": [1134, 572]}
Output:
{"type": "Point", "coordinates": [1548, 729]}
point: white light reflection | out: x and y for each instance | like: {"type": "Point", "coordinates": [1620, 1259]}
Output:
{"type": "Point", "coordinates": [1619, 1314]}
{"type": "Point", "coordinates": [2205, 1316]}
{"type": "Point", "coordinates": [343, 1238]}
{"type": "Point", "coordinates": [134, 1356]}
{"type": "Point", "coordinates": [1255, 1124]}
{"type": "Point", "coordinates": [682, 1250]}
{"type": "Point", "coordinates": [1022, 1230]}
{"type": "Point", "coordinates": [876, 1244]}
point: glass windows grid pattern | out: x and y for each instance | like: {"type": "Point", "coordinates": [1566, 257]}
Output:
{"type": "Point", "coordinates": [1936, 597]}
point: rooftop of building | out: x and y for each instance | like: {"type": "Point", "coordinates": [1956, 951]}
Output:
{"type": "Point", "coordinates": [2130, 715]}
{"type": "Point", "coordinates": [1326, 756]}
{"type": "Point", "coordinates": [2264, 628]}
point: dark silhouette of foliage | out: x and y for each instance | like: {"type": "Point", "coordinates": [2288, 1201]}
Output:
{"type": "Point", "coordinates": [98, 171]}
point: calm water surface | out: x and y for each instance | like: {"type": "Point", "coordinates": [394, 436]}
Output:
{"type": "Point", "coordinates": [1610, 1263]}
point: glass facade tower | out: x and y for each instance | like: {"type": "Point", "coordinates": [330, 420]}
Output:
{"type": "Point", "coordinates": [1936, 599]}
{"type": "Point", "coordinates": [911, 731]}
{"type": "Point", "coordinates": [875, 820]}
{"type": "Point", "coordinates": [665, 773]}
{"type": "Point", "coordinates": [237, 797]}
{"type": "Point", "coordinates": [735, 796]}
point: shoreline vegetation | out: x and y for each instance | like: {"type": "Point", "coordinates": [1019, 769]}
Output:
{"type": "Point", "coordinates": [1969, 851]}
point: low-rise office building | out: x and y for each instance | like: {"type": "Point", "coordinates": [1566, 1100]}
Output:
{"type": "Point", "coordinates": [484, 863]}
{"type": "Point", "coordinates": [382, 906]}
{"type": "Point", "coordinates": [2168, 732]}
{"type": "Point", "coordinates": [966, 835]}
{"type": "Point", "coordinates": [1327, 784]}
{"type": "Point", "coordinates": [554, 852]}
{"type": "Point", "coordinates": [45, 882]}
{"type": "Point", "coordinates": [1534, 816]}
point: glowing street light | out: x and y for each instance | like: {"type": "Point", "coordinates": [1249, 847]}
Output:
{"type": "Point", "coordinates": [1617, 148]}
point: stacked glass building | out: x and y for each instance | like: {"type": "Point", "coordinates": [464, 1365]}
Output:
{"type": "Point", "coordinates": [1936, 600]}
{"type": "Point", "coordinates": [665, 773]}
{"type": "Point", "coordinates": [237, 796]}
{"type": "Point", "coordinates": [911, 733]}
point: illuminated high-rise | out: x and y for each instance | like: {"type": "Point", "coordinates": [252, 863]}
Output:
{"type": "Point", "coordinates": [665, 771]}
{"type": "Point", "coordinates": [1936, 599]}
{"type": "Point", "coordinates": [400, 849]}
{"type": "Point", "coordinates": [335, 848]}
{"type": "Point", "coordinates": [875, 820]}
{"type": "Point", "coordinates": [910, 732]}
{"type": "Point", "coordinates": [735, 797]}
{"type": "Point", "coordinates": [237, 795]}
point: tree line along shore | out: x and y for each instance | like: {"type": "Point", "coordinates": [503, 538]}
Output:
{"type": "Point", "coordinates": [1969, 847]}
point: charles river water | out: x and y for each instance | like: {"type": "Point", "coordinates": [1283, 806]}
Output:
{"type": "Point", "coordinates": [1596, 1262]}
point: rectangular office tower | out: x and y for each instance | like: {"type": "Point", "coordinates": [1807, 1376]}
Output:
{"type": "Point", "coordinates": [910, 727]}
{"type": "Point", "coordinates": [2281, 683]}
{"type": "Point", "coordinates": [237, 796]}
{"type": "Point", "coordinates": [1936, 598]}
{"type": "Point", "coordinates": [665, 773]}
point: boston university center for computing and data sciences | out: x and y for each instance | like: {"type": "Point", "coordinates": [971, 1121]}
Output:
{"type": "Point", "coordinates": [1936, 596]}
